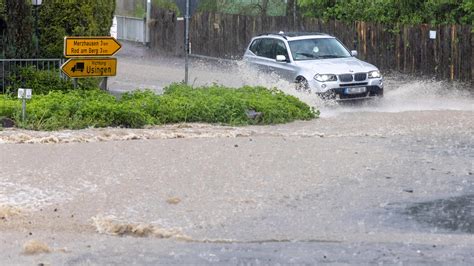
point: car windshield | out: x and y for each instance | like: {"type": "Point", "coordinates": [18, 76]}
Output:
{"type": "Point", "coordinates": [319, 48]}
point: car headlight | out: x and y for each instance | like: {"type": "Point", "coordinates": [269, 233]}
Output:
{"type": "Point", "coordinates": [325, 77]}
{"type": "Point", "coordinates": [374, 74]}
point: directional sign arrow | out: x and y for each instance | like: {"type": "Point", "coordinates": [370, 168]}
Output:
{"type": "Point", "coordinates": [93, 67]}
{"type": "Point", "coordinates": [90, 46]}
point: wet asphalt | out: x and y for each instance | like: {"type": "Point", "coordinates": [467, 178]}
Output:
{"type": "Point", "coordinates": [384, 183]}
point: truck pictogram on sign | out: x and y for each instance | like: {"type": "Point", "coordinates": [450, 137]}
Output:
{"type": "Point", "coordinates": [79, 66]}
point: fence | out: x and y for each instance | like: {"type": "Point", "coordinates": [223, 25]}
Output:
{"type": "Point", "coordinates": [410, 50]}
{"type": "Point", "coordinates": [10, 67]}
{"type": "Point", "coordinates": [166, 32]}
{"type": "Point", "coordinates": [131, 29]}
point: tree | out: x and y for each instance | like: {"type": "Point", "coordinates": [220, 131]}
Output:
{"type": "Point", "coordinates": [392, 12]}
{"type": "Point", "coordinates": [245, 7]}
{"type": "Point", "coordinates": [290, 8]}
{"type": "Point", "coordinates": [59, 19]}
{"type": "Point", "coordinates": [19, 37]}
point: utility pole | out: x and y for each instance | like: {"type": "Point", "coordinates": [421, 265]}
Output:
{"type": "Point", "coordinates": [186, 44]}
{"type": "Point", "coordinates": [36, 4]}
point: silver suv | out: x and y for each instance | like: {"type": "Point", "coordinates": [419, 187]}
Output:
{"type": "Point", "coordinates": [316, 62]}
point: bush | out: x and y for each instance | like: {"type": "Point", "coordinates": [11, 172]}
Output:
{"type": "Point", "coordinates": [8, 107]}
{"type": "Point", "coordinates": [72, 18]}
{"type": "Point", "coordinates": [180, 103]}
{"type": "Point", "coordinates": [43, 81]}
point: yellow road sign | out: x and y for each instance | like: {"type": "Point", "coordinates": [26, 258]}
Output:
{"type": "Point", "coordinates": [93, 67]}
{"type": "Point", "coordinates": [90, 46]}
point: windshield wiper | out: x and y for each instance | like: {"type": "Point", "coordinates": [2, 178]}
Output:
{"type": "Point", "coordinates": [307, 55]}
{"type": "Point", "coordinates": [331, 56]}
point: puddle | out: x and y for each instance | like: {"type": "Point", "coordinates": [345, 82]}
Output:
{"type": "Point", "coordinates": [455, 214]}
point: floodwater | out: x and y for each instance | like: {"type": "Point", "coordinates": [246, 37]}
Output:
{"type": "Point", "coordinates": [388, 181]}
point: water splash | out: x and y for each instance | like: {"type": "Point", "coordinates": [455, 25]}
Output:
{"type": "Point", "coordinates": [402, 93]}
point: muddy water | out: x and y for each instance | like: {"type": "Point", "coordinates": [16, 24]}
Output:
{"type": "Point", "coordinates": [363, 184]}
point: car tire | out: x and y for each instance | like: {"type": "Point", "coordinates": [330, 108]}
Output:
{"type": "Point", "coordinates": [380, 94]}
{"type": "Point", "coordinates": [302, 85]}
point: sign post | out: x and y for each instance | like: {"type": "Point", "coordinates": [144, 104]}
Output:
{"type": "Point", "coordinates": [186, 43]}
{"type": "Point", "coordinates": [90, 57]}
{"type": "Point", "coordinates": [24, 94]}
{"type": "Point", "coordinates": [188, 8]}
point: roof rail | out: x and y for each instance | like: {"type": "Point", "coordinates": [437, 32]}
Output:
{"type": "Point", "coordinates": [281, 34]}
{"type": "Point", "coordinates": [285, 35]}
{"type": "Point", "coordinates": [296, 34]}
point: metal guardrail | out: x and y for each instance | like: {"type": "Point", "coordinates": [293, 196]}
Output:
{"type": "Point", "coordinates": [9, 67]}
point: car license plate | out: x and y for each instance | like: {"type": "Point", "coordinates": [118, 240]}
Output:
{"type": "Point", "coordinates": [355, 90]}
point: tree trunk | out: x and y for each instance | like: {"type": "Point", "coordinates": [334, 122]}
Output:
{"type": "Point", "coordinates": [290, 7]}
{"type": "Point", "coordinates": [264, 7]}
{"type": "Point", "coordinates": [20, 42]}
{"type": "Point", "coordinates": [291, 12]}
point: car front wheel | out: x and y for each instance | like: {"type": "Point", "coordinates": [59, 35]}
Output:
{"type": "Point", "coordinates": [302, 85]}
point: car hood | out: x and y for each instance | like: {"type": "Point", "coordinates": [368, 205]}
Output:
{"type": "Point", "coordinates": [336, 66]}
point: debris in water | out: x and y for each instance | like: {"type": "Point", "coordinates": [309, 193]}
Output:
{"type": "Point", "coordinates": [112, 226]}
{"type": "Point", "coordinates": [173, 201]}
{"type": "Point", "coordinates": [34, 247]}
{"type": "Point", "coordinates": [6, 122]}
{"type": "Point", "coordinates": [252, 114]}
{"type": "Point", "coordinates": [8, 211]}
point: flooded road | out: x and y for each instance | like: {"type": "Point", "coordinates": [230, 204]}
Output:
{"type": "Point", "coordinates": [389, 181]}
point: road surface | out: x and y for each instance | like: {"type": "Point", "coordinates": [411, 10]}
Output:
{"type": "Point", "coordinates": [379, 182]}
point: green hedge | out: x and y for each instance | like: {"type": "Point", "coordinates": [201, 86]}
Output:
{"type": "Point", "coordinates": [180, 103]}
{"type": "Point", "coordinates": [43, 81]}
{"type": "Point", "coordinates": [59, 18]}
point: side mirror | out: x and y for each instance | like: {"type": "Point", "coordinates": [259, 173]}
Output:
{"type": "Point", "coordinates": [354, 53]}
{"type": "Point", "coordinates": [281, 58]}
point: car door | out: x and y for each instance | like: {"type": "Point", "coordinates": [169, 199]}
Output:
{"type": "Point", "coordinates": [263, 56]}
{"type": "Point", "coordinates": [284, 69]}
{"type": "Point", "coordinates": [262, 50]}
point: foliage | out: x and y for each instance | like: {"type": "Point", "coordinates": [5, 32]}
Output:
{"type": "Point", "coordinates": [8, 106]}
{"type": "Point", "coordinates": [42, 82]}
{"type": "Point", "coordinates": [392, 11]}
{"type": "Point", "coordinates": [180, 103]}
{"type": "Point", "coordinates": [166, 4]}
{"type": "Point", "coordinates": [245, 7]}
{"type": "Point", "coordinates": [19, 43]}
{"type": "Point", "coordinates": [72, 18]}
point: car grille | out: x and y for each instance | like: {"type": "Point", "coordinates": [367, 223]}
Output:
{"type": "Point", "coordinates": [360, 76]}
{"type": "Point", "coordinates": [355, 77]}
{"type": "Point", "coordinates": [346, 78]}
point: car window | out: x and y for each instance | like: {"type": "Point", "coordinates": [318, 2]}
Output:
{"type": "Point", "coordinates": [319, 48]}
{"type": "Point", "coordinates": [280, 49]}
{"type": "Point", "coordinates": [266, 48]}
{"type": "Point", "coordinates": [254, 46]}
